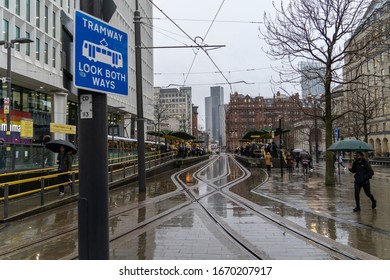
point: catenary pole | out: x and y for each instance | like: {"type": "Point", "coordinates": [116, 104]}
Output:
{"type": "Point", "coordinates": [140, 113]}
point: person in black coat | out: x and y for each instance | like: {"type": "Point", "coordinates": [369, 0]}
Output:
{"type": "Point", "coordinates": [363, 173]}
{"type": "Point", "coordinates": [65, 160]}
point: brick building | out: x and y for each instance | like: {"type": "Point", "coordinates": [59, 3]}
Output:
{"type": "Point", "coordinates": [245, 113]}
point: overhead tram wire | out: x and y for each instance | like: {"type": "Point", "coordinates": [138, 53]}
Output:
{"type": "Point", "coordinates": [200, 46]}
{"type": "Point", "coordinates": [206, 20]}
{"type": "Point", "coordinates": [160, 31]}
{"type": "Point", "coordinates": [204, 38]}
{"type": "Point", "coordinates": [215, 72]}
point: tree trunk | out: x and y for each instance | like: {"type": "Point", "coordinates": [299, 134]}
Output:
{"type": "Point", "coordinates": [329, 169]}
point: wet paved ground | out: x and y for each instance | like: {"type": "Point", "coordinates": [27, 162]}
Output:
{"type": "Point", "coordinates": [328, 210]}
{"type": "Point", "coordinates": [174, 228]}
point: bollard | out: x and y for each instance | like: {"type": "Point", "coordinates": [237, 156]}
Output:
{"type": "Point", "coordinates": [42, 180]}
{"type": "Point", "coordinates": [111, 171]}
{"type": "Point", "coordinates": [73, 180]}
{"type": "Point", "coordinates": [6, 201]}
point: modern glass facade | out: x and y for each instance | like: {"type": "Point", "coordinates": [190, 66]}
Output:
{"type": "Point", "coordinates": [25, 104]}
{"type": "Point", "coordinates": [41, 69]}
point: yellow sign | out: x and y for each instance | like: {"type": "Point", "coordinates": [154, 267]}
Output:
{"type": "Point", "coordinates": [6, 109]}
{"type": "Point", "coordinates": [26, 128]}
{"type": "Point", "coordinates": [62, 128]}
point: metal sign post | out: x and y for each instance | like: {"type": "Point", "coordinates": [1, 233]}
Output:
{"type": "Point", "coordinates": [99, 68]}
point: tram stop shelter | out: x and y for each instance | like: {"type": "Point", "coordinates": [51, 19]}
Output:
{"type": "Point", "coordinates": [172, 135]}
{"type": "Point", "coordinates": [263, 134]}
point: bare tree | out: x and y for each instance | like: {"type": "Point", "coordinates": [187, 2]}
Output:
{"type": "Point", "coordinates": [316, 31]}
{"type": "Point", "coordinates": [160, 114]}
{"type": "Point", "coordinates": [365, 105]}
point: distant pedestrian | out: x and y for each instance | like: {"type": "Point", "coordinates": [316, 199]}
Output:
{"type": "Point", "coordinates": [268, 162]}
{"type": "Point", "coordinates": [341, 161]}
{"type": "Point", "coordinates": [363, 173]}
{"type": "Point", "coordinates": [297, 160]}
{"type": "Point", "coordinates": [274, 150]}
{"type": "Point", "coordinates": [65, 160]}
{"type": "Point", "coordinates": [305, 160]}
{"type": "Point", "coordinates": [290, 162]}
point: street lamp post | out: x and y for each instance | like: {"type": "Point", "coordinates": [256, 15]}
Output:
{"type": "Point", "coordinates": [9, 45]}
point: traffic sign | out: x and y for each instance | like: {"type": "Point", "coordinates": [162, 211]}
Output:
{"type": "Point", "coordinates": [100, 55]}
{"type": "Point", "coordinates": [6, 105]}
{"type": "Point", "coordinates": [337, 134]}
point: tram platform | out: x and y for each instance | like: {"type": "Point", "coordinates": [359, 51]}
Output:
{"type": "Point", "coordinates": [185, 232]}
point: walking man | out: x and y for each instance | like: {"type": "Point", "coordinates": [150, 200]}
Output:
{"type": "Point", "coordinates": [363, 173]}
{"type": "Point", "coordinates": [65, 160]}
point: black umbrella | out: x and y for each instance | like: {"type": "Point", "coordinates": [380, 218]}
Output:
{"type": "Point", "coordinates": [55, 145]}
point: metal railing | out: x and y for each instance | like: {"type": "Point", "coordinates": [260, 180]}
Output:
{"type": "Point", "coordinates": [35, 156]}
{"type": "Point", "coordinates": [120, 168]}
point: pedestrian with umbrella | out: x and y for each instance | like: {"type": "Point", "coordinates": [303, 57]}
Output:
{"type": "Point", "coordinates": [363, 173]}
{"type": "Point", "coordinates": [360, 167]}
{"type": "Point", "coordinates": [65, 152]}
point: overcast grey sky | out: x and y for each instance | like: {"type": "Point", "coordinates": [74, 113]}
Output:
{"type": "Point", "coordinates": [236, 26]}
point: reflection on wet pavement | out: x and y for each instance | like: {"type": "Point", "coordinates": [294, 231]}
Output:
{"type": "Point", "coordinates": [266, 238]}
{"type": "Point", "coordinates": [62, 246]}
{"type": "Point", "coordinates": [324, 210]}
{"type": "Point", "coordinates": [160, 224]}
{"type": "Point", "coordinates": [189, 235]}
{"type": "Point", "coordinates": [131, 218]}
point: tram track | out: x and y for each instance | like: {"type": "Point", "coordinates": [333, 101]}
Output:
{"type": "Point", "coordinates": [173, 203]}
{"type": "Point", "coordinates": [287, 226]}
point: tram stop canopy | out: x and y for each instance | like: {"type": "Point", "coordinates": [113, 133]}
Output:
{"type": "Point", "coordinates": [172, 135]}
{"type": "Point", "coordinates": [264, 133]}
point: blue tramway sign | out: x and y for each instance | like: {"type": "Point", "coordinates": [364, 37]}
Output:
{"type": "Point", "coordinates": [100, 56]}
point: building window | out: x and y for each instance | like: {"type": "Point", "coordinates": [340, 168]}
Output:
{"type": "Point", "coordinates": [16, 98]}
{"type": "Point", "coordinates": [54, 24]}
{"type": "Point", "coordinates": [53, 59]}
{"type": "Point", "coordinates": [46, 19]}
{"type": "Point", "coordinates": [28, 45]}
{"type": "Point", "coordinates": [38, 14]}
{"type": "Point", "coordinates": [28, 12]}
{"type": "Point", "coordinates": [5, 30]}
{"type": "Point", "coordinates": [6, 4]}
{"type": "Point", "coordinates": [46, 53]}
{"type": "Point", "coordinates": [17, 7]}
{"type": "Point", "coordinates": [17, 35]}
{"type": "Point", "coordinates": [37, 48]}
